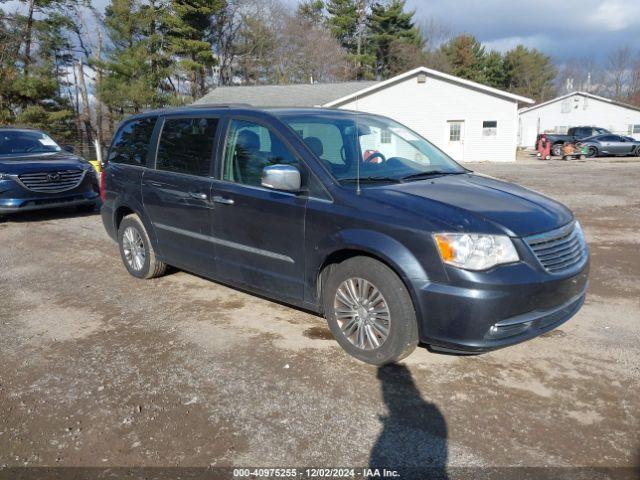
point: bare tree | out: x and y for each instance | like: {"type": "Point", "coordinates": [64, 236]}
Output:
{"type": "Point", "coordinates": [634, 84]}
{"type": "Point", "coordinates": [619, 65]}
{"type": "Point", "coordinates": [585, 75]}
{"type": "Point", "coordinates": [308, 53]}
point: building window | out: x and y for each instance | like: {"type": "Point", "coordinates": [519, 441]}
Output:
{"type": "Point", "coordinates": [634, 129]}
{"type": "Point", "coordinates": [489, 128]}
{"type": "Point", "coordinates": [561, 130]}
{"type": "Point", "coordinates": [385, 135]}
{"type": "Point", "coordinates": [454, 131]}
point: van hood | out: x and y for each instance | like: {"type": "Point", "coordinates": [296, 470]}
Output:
{"type": "Point", "coordinates": [41, 162]}
{"type": "Point", "coordinates": [452, 199]}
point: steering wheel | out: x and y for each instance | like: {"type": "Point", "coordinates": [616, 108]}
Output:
{"type": "Point", "coordinates": [374, 155]}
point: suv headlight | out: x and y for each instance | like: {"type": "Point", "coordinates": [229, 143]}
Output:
{"type": "Point", "coordinates": [475, 251]}
{"type": "Point", "coordinates": [4, 176]}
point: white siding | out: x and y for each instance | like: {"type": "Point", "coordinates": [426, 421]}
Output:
{"type": "Point", "coordinates": [575, 111]}
{"type": "Point", "coordinates": [427, 107]}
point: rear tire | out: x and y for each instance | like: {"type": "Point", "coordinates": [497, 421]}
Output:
{"type": "Point", "coordinates": [592, 152]}
{"type": "Point", "coordinates": [556, 150]}
{"type": "Point", "coordinates": [136, 250]}
{"type": "Point", "coordinates": [369, 311]}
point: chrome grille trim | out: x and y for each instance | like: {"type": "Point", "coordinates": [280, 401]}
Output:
{"type": "Point", "coordinates": [559, 250]}
{"type": "Point", "coordinates": [40, 182]}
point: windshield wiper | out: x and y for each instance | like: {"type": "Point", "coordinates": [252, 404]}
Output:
{"type": "Point", "coordinates": [371, 179]}
{"type": "Point", "coordinates": [431, 173]}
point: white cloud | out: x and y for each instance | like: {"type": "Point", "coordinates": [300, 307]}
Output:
{"type": "Point", "coordinates": [615, 15]}
{"type": "Point", "coordinates": [539, 41]}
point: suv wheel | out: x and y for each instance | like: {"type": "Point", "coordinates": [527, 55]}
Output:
{"type": "Point", "coordinates": [369, 311]}
{"type": "Point", "coordinates": [556, 150]}
{"type": "Point", "coordinates": [136, 251]}
{"type": "Point", "coordinates": [592, 152]}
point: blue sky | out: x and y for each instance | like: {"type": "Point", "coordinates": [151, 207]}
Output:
{"type": "Point", "coordinates": [563, 29]}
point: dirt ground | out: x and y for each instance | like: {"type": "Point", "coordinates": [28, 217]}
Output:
{"type": "Point", "coordinates": [100, 369]}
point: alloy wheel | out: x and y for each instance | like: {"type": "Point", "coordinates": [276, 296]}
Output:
{"type": "Point", "coordinates": [133, 247]}
{"type": "Point", "coordinates": [362, 313]}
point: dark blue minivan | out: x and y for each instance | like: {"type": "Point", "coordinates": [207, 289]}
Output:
{"type": "Point", "coordinates": [350, 215]}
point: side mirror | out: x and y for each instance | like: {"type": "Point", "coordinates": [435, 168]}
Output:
{"type": "Point", "coordinates": [68, 148]}
{"type": "Point", "coordinates": [281, 177]}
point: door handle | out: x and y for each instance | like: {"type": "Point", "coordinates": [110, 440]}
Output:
{"type": "Point", "coordinates": [223, 200]}
{"type": "Point", "coordinates": [198, 195]}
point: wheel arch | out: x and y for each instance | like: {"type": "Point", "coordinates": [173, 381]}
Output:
{"type": "Point", "coordinates": [379, 247]}
{"type": "Point", "coordinates": [130, 206]}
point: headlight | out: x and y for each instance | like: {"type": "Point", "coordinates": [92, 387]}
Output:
{"type": "Point", "coordinates": [4, 176]}
{"type": "Point", "coordinates": [475, 251]}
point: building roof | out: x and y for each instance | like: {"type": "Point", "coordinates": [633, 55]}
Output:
{"type": "Point", "coordinates": [333, 94]}
{"type": "Point", "coordinates": [432, 73]}
{"type": "Point", "coordinates": [584, 94]}
{"type": "Point", "coordinates": [300, 95]}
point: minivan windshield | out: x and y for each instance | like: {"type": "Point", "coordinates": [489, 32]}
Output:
{"type": "Point", "coordinates": [15, 142]}
{"type": "Point", "coordinates": [371, 148]}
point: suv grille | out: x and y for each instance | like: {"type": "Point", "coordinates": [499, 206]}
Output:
{"type": "Point", "coordinates": [559, 250]}
{"type": "Point", "coordinates": [52, 182]}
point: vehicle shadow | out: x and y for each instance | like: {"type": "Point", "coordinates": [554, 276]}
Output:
{"type": "Point", "coordinates": [413, 440]}
{"type": "Point", "coordinates": [47, 215]}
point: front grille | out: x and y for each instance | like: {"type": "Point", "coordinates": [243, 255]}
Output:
{"type": "Point", "coordinates": [559, 250]}
{"type": "Point", "coordinates": [52, 182]}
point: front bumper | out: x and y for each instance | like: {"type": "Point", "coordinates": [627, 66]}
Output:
{"type": "Point", "coordinates": [511, 305]}
{"type": "Point", "coordinates": [16, 198]}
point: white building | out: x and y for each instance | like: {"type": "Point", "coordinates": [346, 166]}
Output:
{"type": "Point", "coordinates": [575, 110]}
{"type": "Point", "coordinates": [469, 121]}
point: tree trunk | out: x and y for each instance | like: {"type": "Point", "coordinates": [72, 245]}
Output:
{"type": "Point", "coordinates": [27, 37]}
{"type": "Point", "coordinates": [86, 112]}
{"type": "Point", "coordinates": [99, 119]}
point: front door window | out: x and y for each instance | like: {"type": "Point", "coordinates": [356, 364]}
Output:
{"type": "Point", "coordinates": [250, 148]}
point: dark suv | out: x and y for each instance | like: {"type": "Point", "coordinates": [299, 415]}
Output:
{"type": "Point", "coordinates": [37, 173]}
{"type": "Point", "coordinates": [347, 214]}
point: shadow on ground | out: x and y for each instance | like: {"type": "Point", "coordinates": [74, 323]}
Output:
{"type": "Point", "coordinates": [414, 434]}
{"type": "Point", "coordinates": [47, 215]}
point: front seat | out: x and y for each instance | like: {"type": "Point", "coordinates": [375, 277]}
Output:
{"type": "Point", "coordinates": [315, 145]}
{"type": "Point", "coordinates": [247, 158]}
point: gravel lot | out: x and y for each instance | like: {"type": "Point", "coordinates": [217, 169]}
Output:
{"type": "Point", "coordinates": [100, 369]}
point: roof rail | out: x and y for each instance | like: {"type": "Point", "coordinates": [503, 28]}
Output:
{"type": "Point", "coordinates": [218, 105]}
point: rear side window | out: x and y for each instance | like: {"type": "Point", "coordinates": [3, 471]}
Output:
{"type": "Point", "coordinates": [131, 144]}
{"type": "Point", "coordinates": [186, 145]}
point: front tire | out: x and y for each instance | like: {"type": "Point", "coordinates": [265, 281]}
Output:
{"type": "Point", "coordinates": [592, 152]}
{"type": "Point", "coordinates": [369, 311]}
{"type": "Point", "coordinates": [136, 250]}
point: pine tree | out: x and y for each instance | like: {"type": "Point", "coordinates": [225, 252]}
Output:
{"type": "Point", "coordinates": [311, 11]}
{"type": "Point", "coordinates": [347, 20]}
{"type": "Point", "coordinates": [466, 58]}
{"type": "Point", "coordinates": [529, 72]}
{"type": "Point", "coordinates": [389, 24]}
{"type": "Point", "coordinates": [137, 72]}
{"type": "Point", "coordinates": [495, 74]}
{"type": "Point", "coordinates": [189, 35]}
{"type": "Point", "coordinates": [35, 54]}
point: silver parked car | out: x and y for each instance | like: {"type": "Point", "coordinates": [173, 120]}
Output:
{"type": "Point", "coordinates": [608, 144]}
